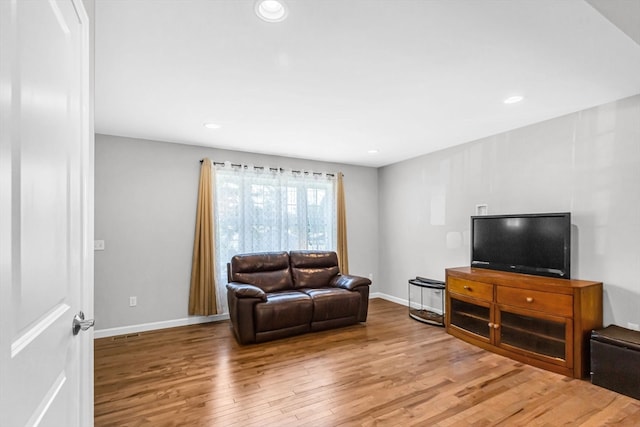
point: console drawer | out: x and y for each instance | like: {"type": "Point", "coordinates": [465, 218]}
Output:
{"type": "Point", "coordinates": [559, 304]}
{"type": "Point", "coordinates": [469, 288]}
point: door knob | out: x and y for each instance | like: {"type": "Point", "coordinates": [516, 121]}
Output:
{"type": "Point", "coordinates": [79, 323]}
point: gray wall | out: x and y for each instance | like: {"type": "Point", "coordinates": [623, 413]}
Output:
{"type": "Point", "coordinates": [412, 216]}
{"type": "Point", "coordinates": [587, 163]}
{"type": "Point", "coordinates": [145, 201]}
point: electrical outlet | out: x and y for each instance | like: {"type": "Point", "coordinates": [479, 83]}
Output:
{"type": "Point", "coordinates": [133, 301]}
{"type": "Point", "coordinates": [633, 326]}
{"type": "Point", "coordinates": [98, 245]}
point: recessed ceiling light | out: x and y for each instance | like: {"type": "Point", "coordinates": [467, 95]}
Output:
{"type": "Point", "coordinates": [211, 125]}
{"type": "Point", "coordinates": [271, 10]}
{"type": "Point", "coordinates": [372, 151]}
{"type": "Point", "coordinates": [513, 99]}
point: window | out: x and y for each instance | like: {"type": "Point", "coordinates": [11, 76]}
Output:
{"type": "Point", "coordinates": [260, 210]}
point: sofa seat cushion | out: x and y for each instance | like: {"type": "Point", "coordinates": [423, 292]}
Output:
{"type": "Point", "coordinates": [333, 303]}
{"type": "Point", "coordinates": [283, 309]}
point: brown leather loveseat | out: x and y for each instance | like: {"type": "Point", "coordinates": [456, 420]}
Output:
{"type": "Point", "coordinates": [274, 295]}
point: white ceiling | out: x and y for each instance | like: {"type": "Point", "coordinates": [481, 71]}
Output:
{"type": "Point", "coordinates": [341, 77]}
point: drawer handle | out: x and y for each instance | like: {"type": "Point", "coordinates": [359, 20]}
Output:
{"type": "Point", "coordinates": [529, 299]}
{"type": "Point", "coordinates": [468, 288]}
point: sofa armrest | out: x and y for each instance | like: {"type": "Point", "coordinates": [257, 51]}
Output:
{"type": "Point", "coordinates": [243, 290]}
{"type": "Point", "coordinates": [346, 281]}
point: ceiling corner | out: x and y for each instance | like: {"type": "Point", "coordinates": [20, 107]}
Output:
{"type": "Point", "coordinates": [624, 14]}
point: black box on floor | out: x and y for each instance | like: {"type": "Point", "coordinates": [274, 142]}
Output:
{"type": "Point", "coordinates": [615, 360]}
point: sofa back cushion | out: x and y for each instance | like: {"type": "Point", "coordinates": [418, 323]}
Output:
{"type": "Point", "coordinates": [268, 270]}
{"type": "Point", "coordinates": [313, 269]}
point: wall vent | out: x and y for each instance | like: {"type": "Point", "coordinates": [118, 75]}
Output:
{"type": "Point", "coordinates": [124, 337]}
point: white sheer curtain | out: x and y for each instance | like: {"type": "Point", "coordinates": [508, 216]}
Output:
{"type": "Point", "coordinates": [258, 209]}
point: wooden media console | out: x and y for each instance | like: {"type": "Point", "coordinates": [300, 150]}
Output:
{"type": "Point", "coordinates": [542, 321]}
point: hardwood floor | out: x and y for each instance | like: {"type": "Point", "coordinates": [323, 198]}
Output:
{"type": "Point", "coordinates": [391, 371]}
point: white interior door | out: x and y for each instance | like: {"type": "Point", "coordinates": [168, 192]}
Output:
{"type": "Point", "coordinates": [46, 224]}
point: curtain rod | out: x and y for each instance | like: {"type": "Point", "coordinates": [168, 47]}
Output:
{"type": "Point", "coordinates": [238, 165]}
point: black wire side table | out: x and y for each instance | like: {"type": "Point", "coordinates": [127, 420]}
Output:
{"type": "Point", "coordinates": [426, 312]}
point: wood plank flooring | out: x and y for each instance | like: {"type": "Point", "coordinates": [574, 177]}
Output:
{"type": "Point", "coordinates": [391, 371]}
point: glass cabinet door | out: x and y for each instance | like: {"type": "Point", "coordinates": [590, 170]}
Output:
{"type": "Point", "coordinates": [473, 318]}
{"type": "Point", "coordinates": [545, 336]}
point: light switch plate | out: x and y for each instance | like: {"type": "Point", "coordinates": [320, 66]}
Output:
{"type": "Point", "coordinates": [98, 245]}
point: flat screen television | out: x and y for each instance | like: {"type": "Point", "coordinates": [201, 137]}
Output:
{"type": "Point", "coordinates": [538, 244]}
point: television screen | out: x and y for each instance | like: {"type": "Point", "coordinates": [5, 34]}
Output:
{"type": "Point", "coordinates": [537, 244]}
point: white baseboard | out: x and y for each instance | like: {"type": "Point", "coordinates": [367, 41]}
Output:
{"type": "Point", "coordinates": [388, 298]}
{"type": "Point", "coordinates": [144, 327]}
{"type": "Point", "coordinates": [194, 320]}
{"type": "Point", "coordinates": [402, 301]}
